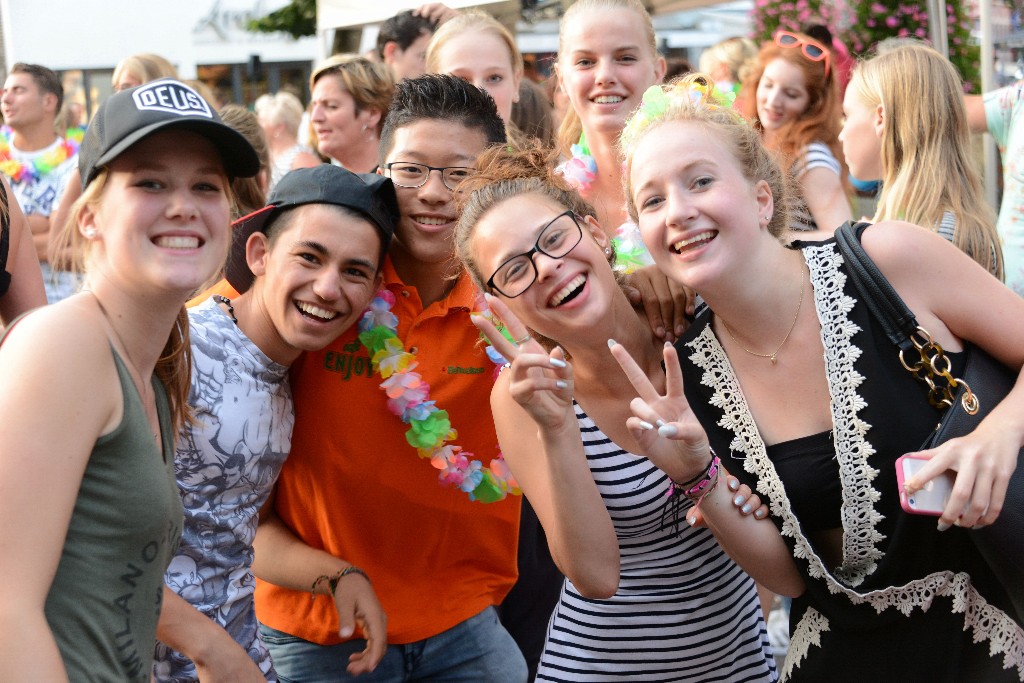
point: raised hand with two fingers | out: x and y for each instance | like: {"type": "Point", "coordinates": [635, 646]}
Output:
{"type": "Point", "coordinates": [541, 381]}
{"type": "Point", "coordinates": [663, 424]}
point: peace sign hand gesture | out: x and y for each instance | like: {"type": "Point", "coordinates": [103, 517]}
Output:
{"type": "Point", "coordinates": [541, 382]}
{"type": "Point", "coordinates": [664, 425]}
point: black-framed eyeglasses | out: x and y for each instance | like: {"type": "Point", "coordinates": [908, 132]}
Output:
{"type": "Point", "coordinates": [556, 239]}
{"type": "Point", "coordinates": [410, 174]}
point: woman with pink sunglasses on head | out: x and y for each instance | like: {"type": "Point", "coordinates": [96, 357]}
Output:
{"type": "Point", "coordinates": [796, 106]}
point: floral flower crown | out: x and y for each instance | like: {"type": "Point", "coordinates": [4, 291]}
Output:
{"type": "Point", "coordinates": [692, 92]}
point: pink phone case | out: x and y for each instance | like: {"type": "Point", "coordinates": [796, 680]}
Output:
{"type": "Point", "coordinates": [932, 499]}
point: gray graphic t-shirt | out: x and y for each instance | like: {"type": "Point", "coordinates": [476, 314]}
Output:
{"type": "Point", "coordinates": [226, 466]}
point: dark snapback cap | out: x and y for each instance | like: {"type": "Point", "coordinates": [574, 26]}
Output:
{"type": "Point", "coordinates": [131, 115]}
{"type": "Point", "coordinates": [368, 194]}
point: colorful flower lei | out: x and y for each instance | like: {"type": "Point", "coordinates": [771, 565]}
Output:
{"type": "Point", "coordinates": [581, 170]}
{"type": "Point", "coordinates": [29, 173]}
{"type": "Point", "coordinates": [429, 427]}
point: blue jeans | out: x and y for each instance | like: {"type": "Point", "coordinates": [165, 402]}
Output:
{"type": "Point", "coordinates": [479, 649]}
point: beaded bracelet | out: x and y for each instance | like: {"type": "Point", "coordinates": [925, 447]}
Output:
{"type": "Point", "coordinates": [332, 581]}
{"type": "Point", "coordinates": [702, 484]}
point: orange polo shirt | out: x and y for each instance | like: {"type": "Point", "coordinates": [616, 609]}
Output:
{"type": "Point", "coordinates": [354, 487]}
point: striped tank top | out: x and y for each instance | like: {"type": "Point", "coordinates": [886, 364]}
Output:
{"type": "Point", "coordinates": [683, 610]}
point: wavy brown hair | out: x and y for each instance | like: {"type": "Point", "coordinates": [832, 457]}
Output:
{"type": "Point", "coordinates": [820, 122]}
{"type": "Point", "coordinates": [504, 173]}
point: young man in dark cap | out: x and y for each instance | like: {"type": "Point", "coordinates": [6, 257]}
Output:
{"type": "Point", "coordinates": [306, 266]}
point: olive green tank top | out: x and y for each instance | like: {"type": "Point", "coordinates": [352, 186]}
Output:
{"type": "Point", "coordinates": [104, 602]}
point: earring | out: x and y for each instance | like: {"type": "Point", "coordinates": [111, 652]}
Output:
{"type": "Point", "coordinates": [607, 251]}
{"type": "Point", "coordinates": [90, 233]}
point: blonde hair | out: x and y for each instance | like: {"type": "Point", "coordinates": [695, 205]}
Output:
{"type": "Point", "coordinates": [371, 85]}
{"type": "Point", "coordinates": [145, 67]}
{"type": "Point", "coordinates": [281, 107]}
{"type": "Point", "coordinates": [174, 367]}
{"type": "Point", "coordinates": [926, 161]}
{"type": "Point", "coordinates": [691, 99]}
{"type": "Point", "coordinates": [471, 21]}
{"type": "Point", "coordinates": [570, 128]}
{"type": "Point", "coordinates": [733, 53]}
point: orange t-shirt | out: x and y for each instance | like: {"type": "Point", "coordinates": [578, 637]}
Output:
{"type": "Point", "coordinates": [354, 487]}
{"type": "Point", "coordinates": [223, 287]}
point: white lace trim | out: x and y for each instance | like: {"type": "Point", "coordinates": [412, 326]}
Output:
{"type": "Point", "coordinates": [807, 632]}
{"type": "Point", "coordinates": [858, 514]}
{"type": "Point", "coordinates": [859, 517]}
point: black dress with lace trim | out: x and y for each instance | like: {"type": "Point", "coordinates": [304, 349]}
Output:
{"type": "Point", "coordinates": [907, 600]}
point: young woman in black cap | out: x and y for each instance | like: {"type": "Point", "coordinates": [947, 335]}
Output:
{"type": "Point", "coordinates": [96, 387]}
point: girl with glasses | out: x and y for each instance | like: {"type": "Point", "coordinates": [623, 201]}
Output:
{"type": "Point", "coordinates": [646, 597]}
{"type": "Point", "coordinates": [787, 381]}
{"type": "Point", "coordinates": [792, 98]}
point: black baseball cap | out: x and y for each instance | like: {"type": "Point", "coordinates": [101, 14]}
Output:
{"type": "Point", "coordinates": [368, 194]}
{"type": "Point", "coordinates": [131, 115]}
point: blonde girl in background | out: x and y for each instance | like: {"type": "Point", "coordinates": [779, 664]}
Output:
{"type": "Point", "coordinates": [905, 123]}
{"type": "Point", "coordinates": [280, 116]}
{"type": "Point", "coordinates": [474, 46]}
{"type": "Point", "coordinates": [607, 57]}
{"type": "Point", "coordinates": [725, 62]}
{"type": "Point", "coordinates": [792, 98]}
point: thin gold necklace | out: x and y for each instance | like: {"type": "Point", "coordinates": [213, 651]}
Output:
{"type": "Point", "coordinates": [773, 357]}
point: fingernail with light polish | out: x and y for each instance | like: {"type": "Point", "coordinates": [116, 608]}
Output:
{"type": "Point", "coordinates": [734, 485]}
{"type": "Point", "coordinates": [611, 343]}
{"type": "Point", "coordinates": [759, 514]}
{"type": "Point", "coordinates": [667, 431]}
{"type": "Point", "coordinates": [561, 384]}
{"type": "Point", "coordinates": [556, 363]}
{"type": "Point", "coordinates": [942, 526]}
{"type": "Point", "coordinates": [646, 426]}
{"type": "Point", "coordinates": [737, 500]}
{"type": "Point", "coordinates": [691, 520]}
{"type": "Point", "coordinates": [745, 509]}
{"type": "Point", "coordinates": [660, 423]}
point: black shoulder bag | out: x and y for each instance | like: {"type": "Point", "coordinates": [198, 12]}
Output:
{"type": "Point", "coordinates": [962, 402]}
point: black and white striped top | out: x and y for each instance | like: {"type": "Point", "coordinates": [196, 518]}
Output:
{"type": "Point", "coordinates": [814, 155]}
{"type": "Point", "coordinates": [683, 611]}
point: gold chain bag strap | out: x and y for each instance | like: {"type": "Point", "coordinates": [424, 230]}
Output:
{"type": "Point", "coordinates": [963, 401]}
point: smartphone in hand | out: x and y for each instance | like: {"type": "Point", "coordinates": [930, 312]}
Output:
{"type": "Point", "coordinates": [930, 500]}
